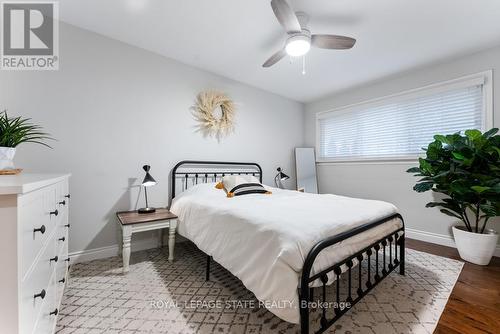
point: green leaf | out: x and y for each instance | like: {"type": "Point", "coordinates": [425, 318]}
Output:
{"type": "Point", "coordinates": [422, 187]}
{"type": "Point", "coordinates": [479, 189]}
{"type": "Point", "coordinates": [496, 188]}
{"type": "Point", "coordinates": [441, 138]}
{"type": "Point", "coordinates": [458, 156]}
{"type": "Point", "coordinates": [433, 151]}
{"type": "Point", "coordinates": [17, 130]}
{"type": "Point", "coordinates": [425, 166]}
{"type": "Point", "coordinates": [449, 213]}
{"type": "Point", "coordinates": [489, 210]}
{"type": "Point", "coordinates": [497, 149]}
{"type": "Point", "coordinates": [490, 133]}
{"type": "Point", "coordinates": [473, 134]}
{"type": "Point", "coordinates": [413, 170]}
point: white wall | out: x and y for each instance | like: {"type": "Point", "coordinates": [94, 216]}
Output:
{"type": "Point", "coordinates": [114, 107]}
{"type": "Point", "coordinates": [389, 181]}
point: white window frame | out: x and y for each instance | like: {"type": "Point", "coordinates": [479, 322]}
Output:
{"type": "Point", "coordinates": [485, 77]}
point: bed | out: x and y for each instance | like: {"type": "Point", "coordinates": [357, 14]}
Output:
{"type": "Point", "coordinates": [286, 245]}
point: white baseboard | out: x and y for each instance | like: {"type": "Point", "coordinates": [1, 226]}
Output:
{"type": "Point", "coordinates": [114, 250]}
{"type": "Point", "coordinates": [109, 251]}
{"type": "Point", "coordinates": [440, 239]}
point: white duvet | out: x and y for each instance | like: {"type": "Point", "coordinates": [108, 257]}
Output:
{"type": "Point", "coordinates": [264, 239]}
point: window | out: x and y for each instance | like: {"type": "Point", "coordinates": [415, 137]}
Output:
{"type": "Point", "coordinates": [397, 127]}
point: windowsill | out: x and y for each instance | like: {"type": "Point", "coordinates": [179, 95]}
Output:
{"type": "Point", "coordinates": [388, 161]}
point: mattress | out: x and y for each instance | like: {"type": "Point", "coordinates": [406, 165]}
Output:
{"type": "Point", "coordinates": [264, 239]}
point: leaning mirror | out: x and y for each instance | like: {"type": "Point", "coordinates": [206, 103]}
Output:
{"type": "Point", "coordinates": [305, 165]}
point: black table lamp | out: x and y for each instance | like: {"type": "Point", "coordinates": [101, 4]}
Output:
{"type": "Point", "coordinates": [280, 177]}
{"type": "Point", "coordinates": [147, 182]}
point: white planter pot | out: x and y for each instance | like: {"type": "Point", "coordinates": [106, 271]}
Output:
{"type": "Point", "coordinates": [7, 157]}
{"type": "Point", "coordinates": [473, 247]}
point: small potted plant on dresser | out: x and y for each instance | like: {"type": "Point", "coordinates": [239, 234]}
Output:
{"type": "Point", "coordinates": [466, 169]}
{"type": "Point", "coordinates": [13, 132]}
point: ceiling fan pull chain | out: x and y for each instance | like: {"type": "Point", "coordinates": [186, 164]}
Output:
{"type": "Point", "coordinates": [304, 65]}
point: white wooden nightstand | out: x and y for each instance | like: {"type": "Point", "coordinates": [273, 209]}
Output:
{"type": "Point", "coordinates": [132, 222]}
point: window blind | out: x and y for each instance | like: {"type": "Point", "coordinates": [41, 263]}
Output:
{"type": "Point", "coordinates": [399, 129]}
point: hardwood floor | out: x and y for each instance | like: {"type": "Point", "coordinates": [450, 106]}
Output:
{"type": "Point", "coordinates": [474, 304]}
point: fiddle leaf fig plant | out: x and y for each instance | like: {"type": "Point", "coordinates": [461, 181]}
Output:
{"type": "Point", "coordinates": [466, 169]}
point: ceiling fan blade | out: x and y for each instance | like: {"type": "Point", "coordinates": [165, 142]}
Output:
{"type": "Point", "coordinates": [274, 58]}
{"type": "Point", "coordinates": [332, 42]}
{"type": "Point", "coordinates": [286, 16]}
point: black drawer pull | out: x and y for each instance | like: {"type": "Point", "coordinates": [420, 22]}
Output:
{"type": "Point", "coordinates": [41, 294]}
{"type": "Point", "coordinates": [55, 259]}
{"type": "Point", "coordinates": [67, 225]}
{"type": "Point", "coordinates": [68, 259]}
{"type": "Point", "coordinates": [55, 212]}
{"type": "Point", "coordinates": [68, 196]}
{"type": "Point", "coordinates": [54, 312]}
{"type": "Point", "coordinates": [62, 239]}
{"type": "Point", "coordinates": [62, 203]}
{"type": "Point", "coordinates": [41, 229]}
{"type": "Point", "coordinates": [62, 280]}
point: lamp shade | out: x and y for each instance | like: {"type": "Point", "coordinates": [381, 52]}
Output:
{"type": "Point", "coordinates": [282, 176]}
{"type": "Point", "coordinates": [148, 179]}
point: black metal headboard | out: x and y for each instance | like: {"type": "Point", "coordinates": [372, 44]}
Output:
{"type": "Point", "coordinates": [209, 171]}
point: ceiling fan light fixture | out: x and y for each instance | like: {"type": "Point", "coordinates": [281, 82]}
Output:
{"type": "Point", "coordinates": [300, 40]}
{"type": "Point", "coordinates": [298, 45]}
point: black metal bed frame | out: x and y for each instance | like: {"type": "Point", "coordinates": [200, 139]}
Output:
{"type": "Point", "coordinates": [375, 272]}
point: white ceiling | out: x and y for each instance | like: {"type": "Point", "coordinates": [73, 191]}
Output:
{"type": "Point", "coordinates": [234, 37]}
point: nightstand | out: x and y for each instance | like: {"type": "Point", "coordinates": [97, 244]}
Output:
{"type": "Point", "coordinates": [132, 222]}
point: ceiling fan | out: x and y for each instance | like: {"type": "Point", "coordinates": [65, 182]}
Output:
{"type": "Point", "coordinates": [300, 39]}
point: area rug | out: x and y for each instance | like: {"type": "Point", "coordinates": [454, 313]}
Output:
{"type": "Point", "coordinates": [161, 297]}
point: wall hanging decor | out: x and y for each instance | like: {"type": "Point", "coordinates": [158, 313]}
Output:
{"type": "Point", "coordinates": [215, 113]}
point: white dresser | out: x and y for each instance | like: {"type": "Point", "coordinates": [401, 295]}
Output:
{"type": "Point", "coordinates": [33, 251]}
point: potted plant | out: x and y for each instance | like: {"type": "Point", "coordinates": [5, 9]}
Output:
{"type": "Point", "coordinates": [466, 169]}
{"type": "Point", "coordinates": [15, 131]}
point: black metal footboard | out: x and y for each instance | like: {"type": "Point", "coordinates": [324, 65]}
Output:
{"type": "Point", "coordinates": [374, 274]}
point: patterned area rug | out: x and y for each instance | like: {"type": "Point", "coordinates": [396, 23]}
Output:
{"type": "Point", "coordinates": [161, 297]}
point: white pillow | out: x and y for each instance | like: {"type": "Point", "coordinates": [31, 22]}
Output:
{"type": "Point", "coordinates": [248, 184]}
{"type": "Point", "coordinates": [232, 181]}
{"type": "Point", "coordinates": [250, 179]}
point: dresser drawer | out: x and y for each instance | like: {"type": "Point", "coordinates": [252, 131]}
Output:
{"type": "Point", "coordinates": [36, 282]}
{"type": "Point", "coordinates": [45, 322]}
{"type": "Point", "coordinates": [56, 211]}
{"type": "Point", "coordinates": [60, 279]}
{"type": "Point", "coordinates": [62, 265]}
{"type": "Point", "coordinates": [38, 220]}
{"type": "Point", "coordinates": [62, 239]}
{"type": "Point", "coordinates": [35, 226]}
{"type": "Point", "coordinates": [62, 201]}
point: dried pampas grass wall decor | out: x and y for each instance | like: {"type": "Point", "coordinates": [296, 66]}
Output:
{"type": "Point", "coordinates": [214, 112]}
